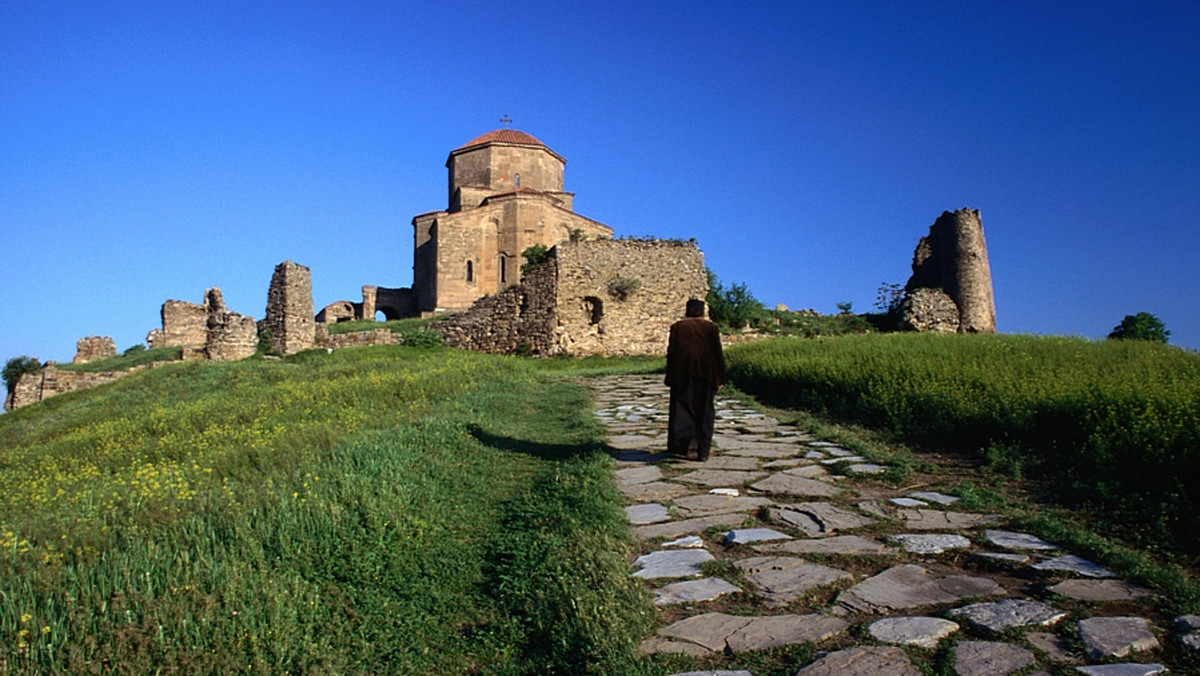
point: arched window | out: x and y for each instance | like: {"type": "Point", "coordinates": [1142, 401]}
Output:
{"type": "Point", "coordinates": [503, 269]}
{"type": "Point", "coordinates": [594, 307]}
{"type": "Point", "coordinates": [516, 180]}
{"type": "Point", "coordinates": [470, 272]}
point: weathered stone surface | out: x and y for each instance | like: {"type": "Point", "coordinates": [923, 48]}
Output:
{"type": "Point", "coordinates": [702, 505]}
{"type": "Point", "coordinates": [783, 579]}
{"type": "Point", "coordinates": [933, 496]}
{"type": "Point", "coordinates": [761, 633]}
{"type": "Point", "coordinates": [708, 630]}
{"type": "Point", "coordinates": [639, 475]}
{"type": "Point", "coordinates": [1187, 622]}
{"type": "Point", "coordinates": [718, 672]}
{"type": "Point", "coordinates": [1004, 557]}
{"type": "Point", "coordinates": [788, 484]}
{"type": "Point", "coordinates": [686, 542]}
{"type": "Point", "coordinates": [184, 325]}
{"type": "Point", "coordinates": [841, 544]}
{"type": "Point", "coordinates": [990, 658]}
{"type": "Point", "coordinates": [733, 462]}
{"type": "Point", "coordinates": [819, 519]}
{"type": "Point", "coordinates": [631, 442]}
{"type": "Point", "coordinates": [654, 490]}
{"type": "Point", "coordinates": [230, 336]}
{"type": "Point", "coordinates": [911, 586]}
{"type": "Point", "coordinates": [953, 258]}
{"type": "Point", "coordinates": [1191, 642]}
{"type": "Point", "coordinates": [1075, 564]}
{"type": "Point", "coordinates": [1055, 648]}
{"type": "Point", "coordinates": [928, 310]}
{"type": "Point", "coordinates": [92, 348]}
{"type": "Point", "coordinates": [908, 502]}
{"type": "Point", "coordinates": [745, 536]}
{"type": "Point", "coordinates": [290, 321]}
{"type": "Point", "coordinates": [1115, 636]}
{"type": "Point", "coordinates": [1126, 669]}
{"type": "Point", "coordinates": [866, 468]}
{"type": "Point", "coordinates": [807, 471]}
{"type": "Point", "coordinates": [647, 513]}
{"type": "Point", "coordinates": [863, 661]}
{"type": "Point", "coordinates": [671, 563]}
{"type": "Point", "coordinates": [923, 632]}
{"type": "Point", "coordinates": [1021, 541]}
{"type": "Point", "coordinates": [657, 644]}
{"type": "Point", "coordinates": [932, 519]}
{"type": "Point", "coordinates": [1099, 590]}
{"type": "Point", "coordinates": [931, 543]}
{"type": "Point", "coordinates": [674, 529]}
{"type": "Point", "coordinates": [719, 477]}
{"type": "Point", "coordinates": [997, 616]}
{"type": "Point", "coordinates": [843, 459]}
{"type": "Point", "coordinates": [693, 591]}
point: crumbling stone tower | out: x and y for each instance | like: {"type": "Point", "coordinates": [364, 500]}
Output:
{"type": "Point", "coordinates": [951, 286]}
{"type": "Point", "coordinates": [289, 319]}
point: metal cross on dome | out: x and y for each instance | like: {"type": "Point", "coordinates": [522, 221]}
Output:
{"type": "Point", "coordinates": [506, 120]}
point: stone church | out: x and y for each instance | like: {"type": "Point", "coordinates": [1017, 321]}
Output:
{"type": "Point", "coordinates": [506, 194]}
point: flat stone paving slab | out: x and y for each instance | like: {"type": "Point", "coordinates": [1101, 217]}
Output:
{"type": "Point", "coordinates": [1115, 636]}
{"type": "Point", "coordinates": [654, 490]}
{"type": "Point", "coordinates": [671, 563]}
{"type": "Point", "coordinates": [703, 505]}
{"type": "Point", "coordinates": [923, 632]}
{"type": "Point", "coordinates": [745, 536]}
{"type": "Point", "coordinates": [685, 542]}
{"type": "Point", "coordinates": [908, 502]}
{"type": "Point", "coordinates": [933, 496]}
{"type": "Point", "coordinates": [1074, 564]}
{"type": "Point", "coordinates": [929, 543]}
{"type": "Point", "coordinates": [807, 471]}
{"type": "Point", "coordinates": [783, 579]}
{"type": "Point", "coordinates": [866, 468]}
{"type": "Point", "coordinates": [819, 519]}
{"type": "Point", "coordinates": [639, 456]}
{"type": "Point", "coordinates": [1054, 646]}
{"type": "Point", "coordinates": [708, 630]}
{"type": "Point", "coordinates": [1021, 541]}
{"type": "Point", "coordinates": [933, 519]}
{"type": "Point", "coordinates": [990, 658]}
{"type": "Point", "coordinates": [1126, 669]}
{"type": "Point", "coordinates": [788, 484]}
{"type": "Point", "coordinates": [721, 462]}
{"type": "Point", "coordinates": [646, 513]}
{"type": "Point", "coordinates": [674, 529]}
{"type": "Point", "coordinates": [719, 477]}
{"type": "Point", "coordinates": [840, 544]}
{"type": "Point", "coordinates": [863, 661]}
{"type": "Point", "coordinates": [658, 644]}
{"type": "Point", "coordinates": [996, 616]}
{"type": "Point", "coordinates": [775, 630]}
{"type": "Point", "coordinates": [693, 591]}
{"type": "Point", "coordinates": [1099, 590]}
{"type": "Point", "coordinates": [639, 475]}
{"type": "Point", "coordinates": [911, 586]}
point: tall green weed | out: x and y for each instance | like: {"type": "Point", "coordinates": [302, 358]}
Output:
{"type": "Point", "coordinates": [1114, 425]}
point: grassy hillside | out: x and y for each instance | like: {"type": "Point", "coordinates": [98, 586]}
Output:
{"type": "Point", "coordinates": [379, 510]}
{"type": "Point", "coordinates": [1113, 426]}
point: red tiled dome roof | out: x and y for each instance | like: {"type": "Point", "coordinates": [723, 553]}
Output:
{"type": "Point", "coordinates": [504, 136]}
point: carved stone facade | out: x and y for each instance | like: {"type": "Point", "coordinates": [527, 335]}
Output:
{"type": "Point", "coordinates": [952, 259]}
{"type": "Point", "coordinates": [93, 348]}
{"type": "Point", "coordinates": [290, 321]}
{"type": "Point", "coordinates": [506, 194]}
{"type": "Point", "coordinates": [604, 297]}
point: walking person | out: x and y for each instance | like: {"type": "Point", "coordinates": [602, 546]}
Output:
{"type": "Point", "coordinates": [695, 371]}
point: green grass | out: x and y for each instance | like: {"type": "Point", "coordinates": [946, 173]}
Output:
{"type": "Point", "coordinates": [1113, 426]}
{"type": "Point", "coordinates": [123, 362]}
{"type": "Point", "coordinates": [377, 510]}
{"type": "Point", "coordinates": [393, 325]}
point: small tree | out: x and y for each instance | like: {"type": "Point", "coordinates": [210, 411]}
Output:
{"type": "Point", "coordinates": [18, 366]}
{"type": "Point", "coordinates": [534, 256]}
{"type": "Point", "coordinates": [1142, 326]}
{"type": "Point", "coordinates": [888, 298]}
{"type": "Point", "coordinates": [845, 307]}
{"type": "Point", "coordinates": [735, 307]}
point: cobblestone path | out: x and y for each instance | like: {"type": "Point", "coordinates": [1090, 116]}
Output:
{"type": "Point", "coordinates": [800, 544]}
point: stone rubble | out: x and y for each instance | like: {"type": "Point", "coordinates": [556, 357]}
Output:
{"type": "Point", "coordinates": [763, 473]}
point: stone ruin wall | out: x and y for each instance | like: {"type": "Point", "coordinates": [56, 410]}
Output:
{"type": "Point", "coordinates": [338, 341]}
{"type": "Point", "coordinates": [523, 315]}
{"type": "Point", "coordinates": [670, 272]}
{"type": "Point", "coordinates": [566, 305]}
{"type": "Point", "coordinates": [289, 321]}
{"type": "Point", "coordinates": [951, 286]}
{"type": "Point", "coordinates": [184, 325]}
{"type": "Point", "coordinates": [92, 348]}
{"type": "Point", "coordinates": [33, 387]}
{"type": "Point", "coordinates": [229, 336]}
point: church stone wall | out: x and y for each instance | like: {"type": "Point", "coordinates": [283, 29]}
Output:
{"type": "Point", "coordinates": [290, 320]}
{"type": "Point", "coordinates": [594, 318]}
{"type": "Point", "coordinates": [92, 348]}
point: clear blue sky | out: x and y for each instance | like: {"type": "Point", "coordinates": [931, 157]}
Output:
{"type": "Point", "coordinates": [151, 150]}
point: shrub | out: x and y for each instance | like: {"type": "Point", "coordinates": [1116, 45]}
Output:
{"type": "Point", "coordinates": [534, 256]}
{"type": "Point", "coordinates": [735, 307]}
{"type": "Point", "coordinates": [18, 366]}
{"type": "Point", "coordinates": [134, 349]}
{"type": "Point", "coordinates": [1142, 326]}
{"type": "Point", "coordinates": [422, 338]}
{"type": "Point", "coordinates": [622, 288]}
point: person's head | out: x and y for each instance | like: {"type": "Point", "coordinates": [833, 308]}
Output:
{"type": "Point", "coordinates": [695, 308]}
